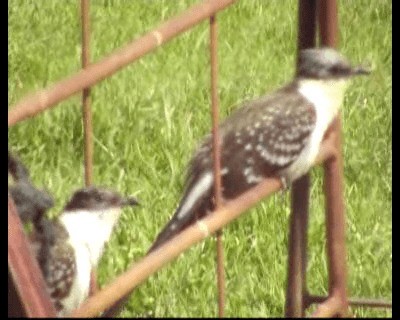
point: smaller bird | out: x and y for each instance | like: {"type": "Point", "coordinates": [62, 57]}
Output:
{"type": "Point", "coordinates": [69, 247]}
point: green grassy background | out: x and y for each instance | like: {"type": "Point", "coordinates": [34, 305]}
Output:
{"type": "Point", "coordinates": [149, 117]}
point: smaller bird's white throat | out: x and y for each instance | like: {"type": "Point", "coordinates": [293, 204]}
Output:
{"type": "Point", "coordinates": [91, 229]}
{"type": "Point", "coordinates": [88, 232]}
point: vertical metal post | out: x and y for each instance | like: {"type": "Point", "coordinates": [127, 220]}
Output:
{"type": "Point", "coordinates": [87, 115]}
{"type": "Point", "coordinates": [333, 179]}
{"type": "Point", "coordinates": [296, 286]}
{"type": "Point", "coordinates": [86, 110]}
{"type": "Point", "coordinates": [217, 162]}
{"type": "Point", "coordinates": [297, 257]}
{"type": "Point", "coordinates": [307, 23]}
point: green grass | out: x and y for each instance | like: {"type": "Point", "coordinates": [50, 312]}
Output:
{"type": "Point", "coordinates": [149, 117]}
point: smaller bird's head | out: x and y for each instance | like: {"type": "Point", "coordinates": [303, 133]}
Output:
{"type": "Point", "coordinates": [98, 204]}
{"type": "Point", "coordinates": [96, 198]}
{"type": "Point", "coordinates": [91, 214]}
{"type": "Point", "coordinates": [326, 64]}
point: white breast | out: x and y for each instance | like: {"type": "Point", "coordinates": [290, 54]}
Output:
{"type": "Point", "coordinates": [80, 287]}
{"type": "Point", "coordinates": [327, 97]}
{"type": "Point", "coordinates": [88, 234]}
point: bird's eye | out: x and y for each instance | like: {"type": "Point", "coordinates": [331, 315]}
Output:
{"type": "Point", "coordinates": [336, 70]}
{"type": "Point", "coordinates": [339, 70]}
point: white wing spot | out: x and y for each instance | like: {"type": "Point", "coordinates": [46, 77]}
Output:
{"type": "Point", "coordinates": [224, 171]}
{"type": "Point", "coordinates": [250, 161]}
{"type": "Point", "coordinates": [250, 176]}
{"type": "Point", "coordinates": [202, 185]}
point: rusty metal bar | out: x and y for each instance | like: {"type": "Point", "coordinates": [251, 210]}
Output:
{"type": "Point", "coordinates": [217, 160]}
{"type": "Point", "coordinates": [297, 246]}
{"type": "Point", "coordinates": [220, 274]}
{"type": "Point", "coordinates": [44, 99]}
{"type": "Point", "coordinates": [87, 115]}
{"type": "Point", "coordinates": [15, 305]}
{"type": "Point", "coordinates": [231, 210]}
{"type": "Point", "coordinates": [93, 287]}
{"type": "Point", "coordinates": [296, 285]}
{"type": "Point", "coordinates": [329, 308]}
{"type": "Point", "coordinates": [328, 23]}
{"type": "Point", "coordinates": [25, 273]}
{"type": "Point", "coordinates": [86, 109]}
{"type": "Point", "coordinates": [333, 183]}
{"type": "Point", "coordinates": [307, 24]}
{"type": "Point", "coordinates": [355, 302]}
{"type": "Point", "coordinates": [326, 151]}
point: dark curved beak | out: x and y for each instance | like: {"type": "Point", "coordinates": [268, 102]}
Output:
{"type": "Point", "coordinates": [360, 70]}
{"type": "Point", "coordinates": [130, 201]}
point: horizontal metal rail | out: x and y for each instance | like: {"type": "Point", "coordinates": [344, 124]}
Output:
{"type": "Point", "coordinates": [355, 302]}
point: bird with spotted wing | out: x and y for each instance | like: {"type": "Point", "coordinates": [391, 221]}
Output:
{"type": "Point", "coordinates": [275, 135]}
{"type": "Point", "coordinates": [69, 247]}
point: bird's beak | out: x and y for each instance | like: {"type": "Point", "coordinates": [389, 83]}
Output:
{"type": "Point", "coordinates": [130, 201]}
{"type": "Point", "coordinates": [360, 70]}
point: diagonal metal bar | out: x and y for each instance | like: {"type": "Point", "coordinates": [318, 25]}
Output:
{"type": "Point", "coordinates": [216, 146]}
{"type": "Point", "coordinates": [28, 285]}
{"type": "Point", "coordinates": [95, 72]}
{"type": "Point", "coordinates": [140, 271]}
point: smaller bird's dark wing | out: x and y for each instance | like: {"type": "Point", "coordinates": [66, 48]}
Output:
{"type": "Point", "coordinates": [16, 168]}
{"type": "Point", "coordinates": [31, 203]}
{"type": "Point", "coordinates": [56, 259]}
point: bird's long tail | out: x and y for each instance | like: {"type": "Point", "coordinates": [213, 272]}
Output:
{"type": "Point", "coordinates": [194, 205]}
{"type": "Point", "coordinates": [173, 227]}
{"type": "Point", "coordinates": [183, 217]}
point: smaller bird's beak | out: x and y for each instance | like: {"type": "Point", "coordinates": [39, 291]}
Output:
{"type": "Point", "coordinates": [130, 201]}
{"type": "Point", "coordinates": [360, 70]}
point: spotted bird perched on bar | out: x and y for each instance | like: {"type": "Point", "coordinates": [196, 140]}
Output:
{"type": "Point", "coordinates": [277, 135]}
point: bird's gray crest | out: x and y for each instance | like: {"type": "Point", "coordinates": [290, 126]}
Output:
{"type": "Point", "coordinates": [94, 198]}
{"type": "Point", "coordinates": [325, 63]}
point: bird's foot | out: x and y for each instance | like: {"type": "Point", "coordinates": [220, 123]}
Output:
{"type": "Point", "coordinates": [285, 183]}
{"type": "Point", "coordinates": [285, 187]}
